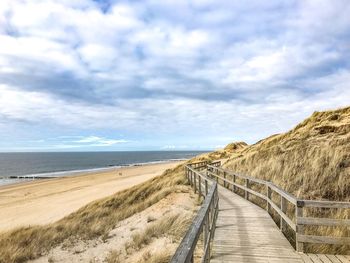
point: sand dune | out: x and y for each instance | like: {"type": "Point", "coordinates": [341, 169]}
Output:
{"type": "Point", "coordinates": [46, 201]}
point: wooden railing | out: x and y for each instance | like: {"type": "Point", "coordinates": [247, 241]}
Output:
{"type": "Point", "coordinates": [298, 221]}
{"type": "Point", "coordinates": [205, 221]}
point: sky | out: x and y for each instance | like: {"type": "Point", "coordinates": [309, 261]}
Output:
{"type": "Point", "coordinates": [166, 75]}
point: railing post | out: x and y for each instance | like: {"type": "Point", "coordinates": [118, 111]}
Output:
{"type": "Point", "coordinates": [234, 181]}
{"type": "Point", "coordinates": [206, 235]}
{"type": "Point", "coordinates": [299, 228]}
{"type": "Point", "coordinates": [195, 183]}
{"type": "Point", "coordinates": [200, 186]}
{"type": "Point", "coordinates": [206, 187]}
{"type": "Point", "coordinates": [192, 178]}
{"type": "Point", "coordinates": [268, 195]}
{"type": "Point", "coordinates": [246, 193]}
{"type": "Point", "coordinates": [284, 210]}
{"type": "Point", "coordinates": [225, 179]}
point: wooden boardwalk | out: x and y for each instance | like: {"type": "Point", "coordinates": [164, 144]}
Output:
{"type": "Point", "coordinates": [246, 233]}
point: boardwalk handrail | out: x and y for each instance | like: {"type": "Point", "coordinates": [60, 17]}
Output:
{"type": "Point", "coordinates": [299, 221]}
{"type": "Point", "coordinates": [205, 220]}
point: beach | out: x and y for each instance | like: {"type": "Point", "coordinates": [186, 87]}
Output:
{"type": "Point", "coordinates": [48, 200]}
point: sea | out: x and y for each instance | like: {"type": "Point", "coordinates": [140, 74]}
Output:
{"type": "Point", "coordinates": [55, 164]}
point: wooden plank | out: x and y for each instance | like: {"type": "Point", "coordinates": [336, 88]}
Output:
{"type": "Point", "coordinates": [187, 246]}
{"type": "Point", "coordinates": [246, 233]}
{"type": "Point", "coordinates": [292, 199]}
{"type": "Point", "coordinates": [342, 258]}
{"type": "Point", "coordinates": [323, 239]}
{"type": "Point", "coordinates": [283, 215]}
{"type": "Point", "coordinates": [306, 258]}
{"type": "Point", "coordinates": [325, 204]}
{"type": "Point", "coordinates": [314, 258]}
{"type": "Point", "coordinates": [323, 221]}
{"type": "Point", "coordinates": [284, 211]}
{"type": "Point", "coordinates": [324, 258]}
{"type": "Point", "coordinates": [299, 229]}
{"type": "Point", "coordinates": [333, 258]}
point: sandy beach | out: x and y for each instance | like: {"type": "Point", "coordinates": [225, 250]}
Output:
{"type": "Point", "coordinates": [45, 201]}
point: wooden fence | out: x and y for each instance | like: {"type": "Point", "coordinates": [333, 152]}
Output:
{"type": "Point", "coordinates": [205, 220]}
{"type": "Point", "coordinates": [298, 221]}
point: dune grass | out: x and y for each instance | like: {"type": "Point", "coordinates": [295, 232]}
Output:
{"type": "Point", "coordinates": [312, 161]}
{"type": "Point", "coordinates": [173, 227]}
{"type": "Point", "coordinates": [92, 221]}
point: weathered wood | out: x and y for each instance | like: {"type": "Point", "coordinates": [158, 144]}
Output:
{"type": "Point", "coordinates": [256, 180]}
{"type": "Point", "coordinates": [323, 221]}
{"type": "Point", "coordinates": [234, 181]}
{"type": "Point", "coordinates": [246, 193]}
{"type": "Point", "coordinates": [342, 258]}
{"type": "Point", "coordinates": [282, 215]}
{"type": "Point", "coordinates": [283, 206]}
{"type": "Point", "coordinates": [237, 222]}
{"type": "Point", "coordinates": [325, 204]}
{"type": "Point", "coordinates": [224, 174]}
{"type": "Point", "coordinates": [206, 187]}
{"type": "Point", "coordinates": [333, 258]}
{"type": "Point", "coordinates": [283, 193]}
{"type": "Point", "coordinates": [204, 222]}
{"type": "Point", "coordinates": [246, 233]}
{"type": "Point", "coordinates": [323, 239]}
{"type": "Point", "coordinates": [239, 186]}
{"type": "Point", "coordinates": [268, 195]}
{"type": "Point", "coordinates": [299, 228]}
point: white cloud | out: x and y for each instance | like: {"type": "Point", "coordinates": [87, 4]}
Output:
{"type": "Point", "coordinates": [221, 68]}
{"type": "Point", "coordinates": [98, 141]}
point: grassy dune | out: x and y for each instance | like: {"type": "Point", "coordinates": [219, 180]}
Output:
{"type": "Point", "coordinates": [312, 161]}
{"type": "Point", "coordinates": [91, 221]}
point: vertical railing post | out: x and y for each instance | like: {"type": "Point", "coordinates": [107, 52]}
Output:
{"type": "Point", "coordinates": [268, 195]}
{"type": "Point", "coordinates": [284, 210]}
{"type": "Point", "coordinates": [206, 237]}
{"type": "Point", "coordinates": [195, 183]}
{"type": "Point", "coordinates": [199, 185]}
{"type": "Point", "coordinates": [206, 187]}
{"type": "Point", "coordinates": [299, 228]}
{"type": "Point", "coordinates": [246, 193]}
{"type": "Point", "coordinates": [225, 179]}
{"type": "Point", "coordinates": [192, 179]}
{"type": "Point", "coordinates": [234, 181]}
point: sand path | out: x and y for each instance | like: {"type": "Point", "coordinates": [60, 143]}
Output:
{"type": "Point", "coordinates": [46, 201]}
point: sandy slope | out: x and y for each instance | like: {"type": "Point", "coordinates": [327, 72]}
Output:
{"type": "Point", "coordinates": [45, 201]}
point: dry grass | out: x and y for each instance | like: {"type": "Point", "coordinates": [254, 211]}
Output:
{"type": "Point", "coordinates": [312, 161]}
{"type": "Point", "coordinates": [92, 221]}
{"type": "Point", "coordinates": [172, 227]}
{"type": "Point", "coordinates": [160, 257]}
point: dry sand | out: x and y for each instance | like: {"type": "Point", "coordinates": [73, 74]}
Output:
{"type": "Point", "coordinates": [184, 203]}
{"type": "Point", "coordinates": [46, 201]}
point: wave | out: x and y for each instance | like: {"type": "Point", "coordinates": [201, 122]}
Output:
{"type": "Point", "coordinates": [81, 171]}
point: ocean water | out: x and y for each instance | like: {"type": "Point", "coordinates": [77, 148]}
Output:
{"type": "Point", "coordinates": [52, 164]}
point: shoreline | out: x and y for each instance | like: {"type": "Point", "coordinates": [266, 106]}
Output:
{"type": "Point", "coordinates": [27, 178]}
{"type": "Point", "coordinates": [38, 202]}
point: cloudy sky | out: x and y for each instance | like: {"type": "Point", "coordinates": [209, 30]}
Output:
{"type": "Point", "coordinates": [154, 75]}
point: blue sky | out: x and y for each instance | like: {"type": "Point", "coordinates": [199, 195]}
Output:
{"type": "Point", "coordinates": [154, 75]}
